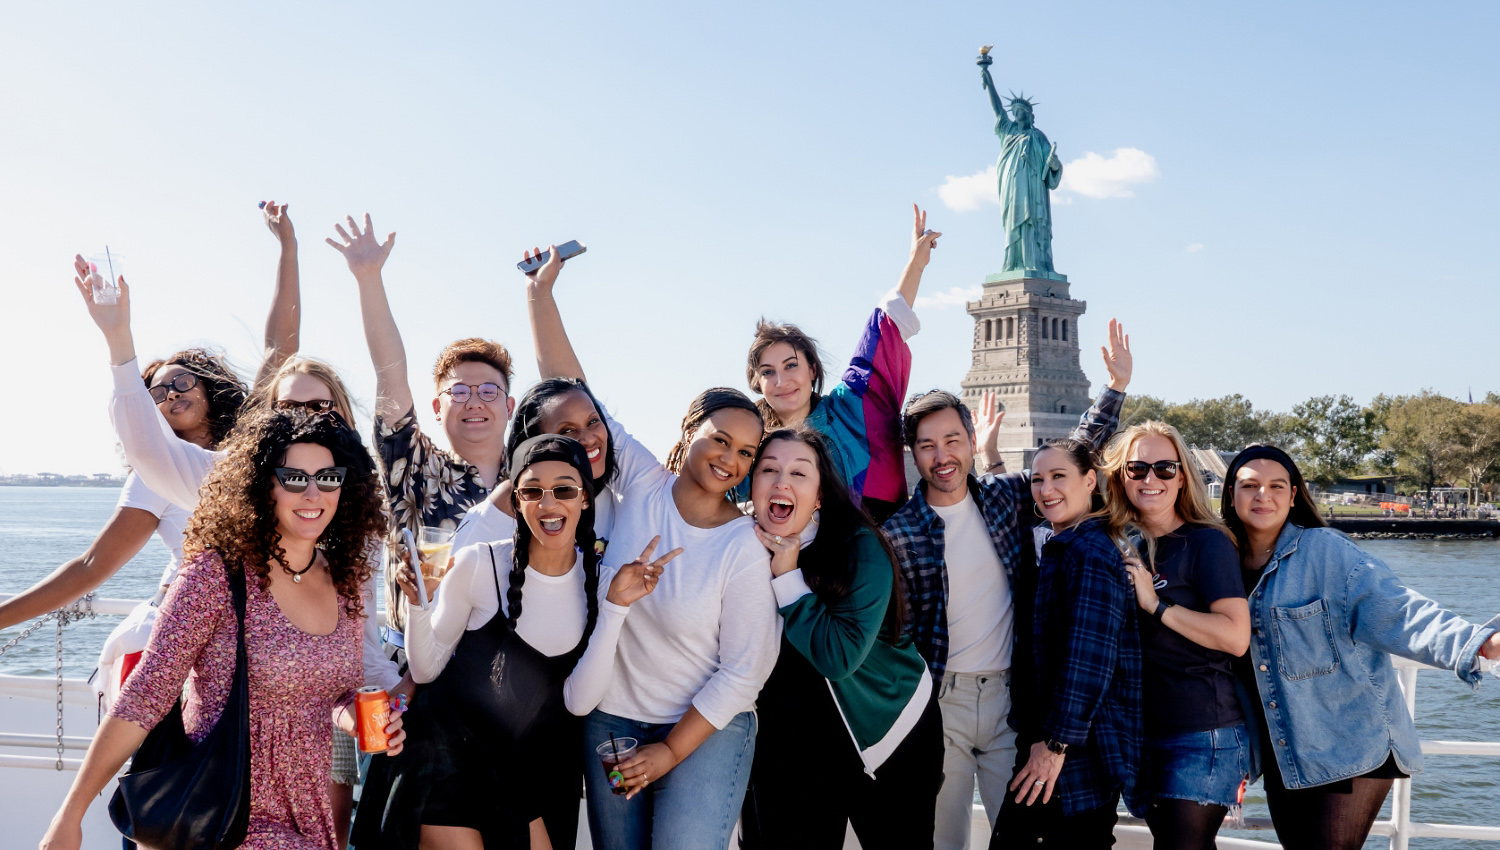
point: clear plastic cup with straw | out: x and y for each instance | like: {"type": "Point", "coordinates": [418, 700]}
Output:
{"type": "Point", "coordinates": [104, 276]}
{"type": "Point", "coordinates": [612, 754]}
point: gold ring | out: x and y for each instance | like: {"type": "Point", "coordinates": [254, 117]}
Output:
{"type": "Point", "coordinates": [778, 540]}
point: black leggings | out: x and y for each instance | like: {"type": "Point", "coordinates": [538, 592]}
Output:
{"type": "Point", "coordinates": [1337, 816]}
{"type": "Point", "coordinates": [1183, 824]}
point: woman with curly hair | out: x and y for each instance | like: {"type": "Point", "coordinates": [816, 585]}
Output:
{"type": "Point", "coordinates": [289, 511]}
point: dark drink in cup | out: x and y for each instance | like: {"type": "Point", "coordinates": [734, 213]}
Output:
{"type": "Point", "coordinates": [612, 754]}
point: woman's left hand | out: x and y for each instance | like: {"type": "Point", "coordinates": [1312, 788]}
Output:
{"type": "Point", "coordinates": [1039, 776]}
{"type": "Point", "coordinates": [1491, 648]}
{"type": "Point", "coordinates": [1144, 583]}
{"type": "Point", "coordinates": [783, 548]}
{"type": "Point", "coordinates": [651, 762]}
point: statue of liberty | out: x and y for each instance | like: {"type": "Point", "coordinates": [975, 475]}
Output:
{"type": "Point", "coordinates": [1028, 169]}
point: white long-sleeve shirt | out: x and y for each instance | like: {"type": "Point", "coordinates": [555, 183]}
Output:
{"type": "Point", "coordinates": [706, 637]}
{"type": "Point", "coordinates": [554, 613]}
{"type": "Point", "coordinates": [174, 469]}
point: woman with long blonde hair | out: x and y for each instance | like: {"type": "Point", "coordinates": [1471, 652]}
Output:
{"type": "Point", "coordinates": [1186, 578]}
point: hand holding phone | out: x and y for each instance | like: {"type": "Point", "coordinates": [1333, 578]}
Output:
{"type": "Point", "coordinates": [412, 555]}
{"type": "Point", "coordinates": [566, 251]}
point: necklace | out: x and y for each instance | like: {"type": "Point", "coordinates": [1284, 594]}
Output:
{"type": "Point", "coordinates": [297, 574]}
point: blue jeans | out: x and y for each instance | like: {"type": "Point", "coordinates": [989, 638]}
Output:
{"type": "Point", "coordinates": [1204, 767]}
{"type": "Point", "coordinates": [692, 808]}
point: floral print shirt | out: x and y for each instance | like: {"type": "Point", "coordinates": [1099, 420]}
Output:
{"type": "Point", "coordinates": [426, 485]}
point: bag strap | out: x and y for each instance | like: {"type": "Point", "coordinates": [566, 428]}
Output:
{"type": "Point", "coordinates": [495, 571]}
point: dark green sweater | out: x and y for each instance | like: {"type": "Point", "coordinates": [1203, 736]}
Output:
{"type": "Point", "coordinates": [880, 687]}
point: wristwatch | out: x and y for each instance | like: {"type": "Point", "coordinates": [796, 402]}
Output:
{"type": "Point", "coordinates": [1161, 608]}
{"type": "Point", "coordinates": [1056, 747]}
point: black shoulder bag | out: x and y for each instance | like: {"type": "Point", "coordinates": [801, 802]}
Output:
{"type": "Point", "coordinates": [184, 796]}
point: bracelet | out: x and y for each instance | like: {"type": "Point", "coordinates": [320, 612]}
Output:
{"type": "Point", "coordinates": [993, 465]}
{"type": "Point", "coordinates": [1161, 609]}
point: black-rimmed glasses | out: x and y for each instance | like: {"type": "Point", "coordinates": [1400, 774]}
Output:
{"type": "Point", "coordinates": [317, 405]}
{"type": "Point", "coordinates": [180, 383]}
{"type": "Point", "coordinates": [1165, 470]}
{"type": "Point", "coordinates": [562, 493]}
{"type": "Point", "coordinates": [487, 391]}
{"type": "Point", "coordinates": [296, 480]}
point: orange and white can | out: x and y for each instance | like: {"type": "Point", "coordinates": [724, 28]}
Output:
{"type": "Point", "coordinates": [372, 713]}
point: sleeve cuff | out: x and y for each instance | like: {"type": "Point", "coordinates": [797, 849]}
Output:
{"type": "Point", "coordinates": [901, 313]}
{"type": "Point", "coordinates": [127, 377]}
{"type": "Point", "coordinates": [610, 609]}
{"type": "Point", "coordinates": [789, 587]}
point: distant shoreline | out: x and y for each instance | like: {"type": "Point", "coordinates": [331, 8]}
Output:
{"type": "Point", "coordinates": [61, 481]}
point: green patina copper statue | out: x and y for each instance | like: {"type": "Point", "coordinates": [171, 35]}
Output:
{"type": "Point", "coordinates": [1028, 169]}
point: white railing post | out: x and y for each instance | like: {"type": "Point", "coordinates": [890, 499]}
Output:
{"type": "Point", "coordinates": [1401, 791]}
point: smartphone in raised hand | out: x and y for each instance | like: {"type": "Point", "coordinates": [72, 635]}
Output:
{"type": "Point", "coordinates": [567, 251]}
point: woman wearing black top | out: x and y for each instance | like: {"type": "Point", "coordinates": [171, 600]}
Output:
{"type": "Point", "coordinates": [1186, 580]}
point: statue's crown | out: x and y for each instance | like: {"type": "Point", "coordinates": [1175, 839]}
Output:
{"type": "Point", "coordinates": [1023, 99]}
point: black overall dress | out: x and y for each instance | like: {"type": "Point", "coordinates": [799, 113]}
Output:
{"type": "Point", "coordinates": [490, 745]}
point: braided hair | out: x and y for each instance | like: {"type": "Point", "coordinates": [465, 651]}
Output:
{"type": "Point", "coordinates": [708, 402]}
{"type": "Point", "coordinates": [568, 450]}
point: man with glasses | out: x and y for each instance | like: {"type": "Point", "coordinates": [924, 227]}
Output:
{"type": "Point", "coordinates": [960, 545]}
{"type": "Point", "coordinates": [426, 484]}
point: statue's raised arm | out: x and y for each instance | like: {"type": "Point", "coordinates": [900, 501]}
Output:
{"type": "Point", "coordinates": [1002, 118]}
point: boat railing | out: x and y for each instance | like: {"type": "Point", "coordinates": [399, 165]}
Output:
{"type": "Point", "coordinates": [1400, 827]}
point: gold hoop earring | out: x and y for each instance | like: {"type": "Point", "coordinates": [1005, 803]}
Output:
{"type": "Point", "coordinates": [1036, 510]}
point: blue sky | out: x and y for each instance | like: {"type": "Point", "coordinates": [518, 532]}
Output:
{"type": "Point", "coordinates": [1283, 200]}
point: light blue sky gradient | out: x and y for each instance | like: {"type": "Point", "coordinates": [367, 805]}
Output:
{"type": "Point", "coordinates": [1335, 162]}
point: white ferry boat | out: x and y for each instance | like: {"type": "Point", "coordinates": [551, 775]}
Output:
{"type": "Point", "coordinates": [46, 723]}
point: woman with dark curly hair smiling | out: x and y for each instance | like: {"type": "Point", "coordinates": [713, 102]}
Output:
{"type": "Point", "coordinates": [288, 510]}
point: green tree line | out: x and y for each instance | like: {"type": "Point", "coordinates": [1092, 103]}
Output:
{"type": "Point", "coordinates": [1424, 440]}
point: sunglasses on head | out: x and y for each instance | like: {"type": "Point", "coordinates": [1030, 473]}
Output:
{"type": "Point", "coordinates": [562, 493]}
{"type": "Point", "coordinates": [296, 480]}
{"type": "Point", "coordinates": [1165, 470]}
{"type": "Point", "coordinates": [179, 384]}
{"type": "Point", "coordinates": [487, 391]}
{"type": "Point", "coordinates": [317, 405]}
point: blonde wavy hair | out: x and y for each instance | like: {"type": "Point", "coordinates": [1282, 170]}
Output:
{"type": "Point", "coordinates": [265, 394]}
{"type": "Point", "coordinates": [1120, 514]}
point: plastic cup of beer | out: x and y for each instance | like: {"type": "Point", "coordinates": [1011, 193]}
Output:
{"type": "Point", "coordinates": [612, 753]}
{"type": "Point", "coordinates": [434, 545]}
{"type": "Point", "coordinates": [104, 277]}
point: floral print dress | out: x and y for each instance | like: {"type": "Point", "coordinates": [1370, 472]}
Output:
{"type": "Point", "coordinates": [296, 680]}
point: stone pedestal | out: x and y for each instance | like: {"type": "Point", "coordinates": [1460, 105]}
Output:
{"type": "Point", "coordinates": [1026, 351]}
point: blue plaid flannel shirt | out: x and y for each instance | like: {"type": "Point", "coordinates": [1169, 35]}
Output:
{"type": "Point", "coordinates": [1084, 654]}
{"type": "Point", "coordinates": [916, 533]}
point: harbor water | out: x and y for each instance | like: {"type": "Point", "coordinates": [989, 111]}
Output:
{"type": "Point", "coordinates": [41, 527]}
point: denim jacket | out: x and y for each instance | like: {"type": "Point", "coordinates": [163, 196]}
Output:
{"type": "Point", "coordinates": [1325, 619]}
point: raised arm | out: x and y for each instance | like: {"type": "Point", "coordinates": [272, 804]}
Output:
{"type": "Point", "coordinates": [284, 320]}
{"type": "Point", "coordinates": [366, 257]}
{"type": "Point", "coordinates": [555, 357]}
{"type": "Point", "coordinates": [119, 541]}
{"type": "Point", "coordinates": [922, 243]}
{"type": "Point", "coordinates": [1002, 118]}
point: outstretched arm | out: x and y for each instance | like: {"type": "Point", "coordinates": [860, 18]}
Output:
{"type": "Point", "coordinates": [366, 257]}
{"type": "Point", "coordinates": [922, 243]}
{"type": "Point", "coordinates": [555, 357]}
{"type": "Point", "coordinates": [285, 318]}
{"type": "Point", "coordinates": [1002, 118]}
{"type": "Point", "coordinates": [122, 537]}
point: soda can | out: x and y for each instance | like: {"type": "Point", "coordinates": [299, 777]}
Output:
{"type": "Point", "coordinates": [372, 713]}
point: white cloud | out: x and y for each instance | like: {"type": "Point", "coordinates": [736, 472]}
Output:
{"type": "Point", "coordinates": [1194, 248]}
{"type": "Point", "coordinates": [1091, 175]}
{"type": "Point", "coordinates": [1094, 176]}
{"type": "Point", "coordinates": [958, 296]}
{"type": "Point", "coordinates": [966, 194]}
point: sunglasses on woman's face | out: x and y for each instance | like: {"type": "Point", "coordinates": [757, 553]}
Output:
{"type": "Point", "coordinates": [296, 480]}
{"type": "Point", "coordinates": [179, 384]}
{"type": "Point", "coordinates": [487, 391]}
{"type": "Point", "coordinates": [562, 493]}
{"type": "Point", "coordinates": [317, 405]}
{"type": "Point", "coordinates": [1165, 470]}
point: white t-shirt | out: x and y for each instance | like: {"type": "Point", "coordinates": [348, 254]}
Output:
{"type": "Point", "coordinates": [981, 615]}
{"type": "Point", "coordinates": [634, 463]}
{"type": "Point", "coordinates": [171, 524]}
{"type": "Point", "coordinates": [706, 637]}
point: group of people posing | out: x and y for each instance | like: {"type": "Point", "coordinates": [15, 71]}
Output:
{"type": "Point", "coordinates": [792, 641]}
